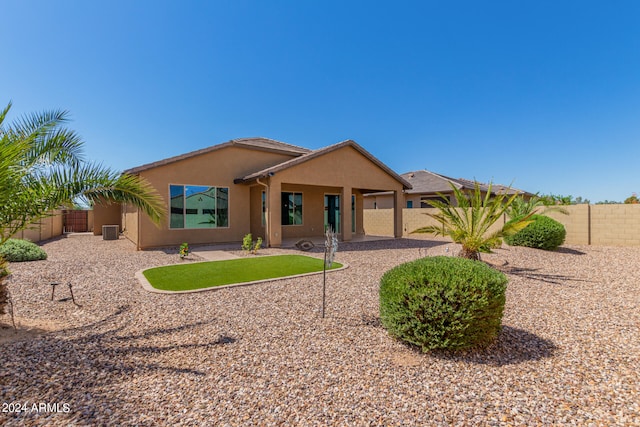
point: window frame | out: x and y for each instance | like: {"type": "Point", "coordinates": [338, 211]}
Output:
{"type": "Point", "coordinates": [184, 207]}
{"type": "Point", "coordinates": [301, 207]}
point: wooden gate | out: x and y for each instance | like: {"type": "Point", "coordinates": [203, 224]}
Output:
{"type": "Point", "coordinates": [75, 221]}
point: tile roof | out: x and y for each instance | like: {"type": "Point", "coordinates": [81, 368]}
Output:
{"type": "Point", "coordinates": [496, 188]}
{"type": "Point", "coordinates": [257, 143]}
{"type": "Point", "coordinates": [424, 181]}
{"type": "Point", "coordinates": [427, 182]}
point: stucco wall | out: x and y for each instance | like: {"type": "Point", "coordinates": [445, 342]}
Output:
{"type": "Point", "coordinates": [217, 168]}
{"type": "Point", "coordinates": [383, 201]}
{"type": "Point", "coordinates": [344, 166]}
{"type": "Point", "coordinates": [106, 214]}
{"type": "Point", "coordinates": [344, 170]}
{"type": "Point", "coordinates": [312, 212]}
{"type": "Point", "coordinates": [130, 223]}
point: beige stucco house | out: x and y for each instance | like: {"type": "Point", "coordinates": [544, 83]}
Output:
{"type": "Point", "coordinates": [256, 185]}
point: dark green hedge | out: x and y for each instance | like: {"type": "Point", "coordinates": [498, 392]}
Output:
{"type": "Point", "coordinates": [443, 303]}
{"type": "Point", "coordinates": [543, 233]}
{"type": "Point", "coordinates": [15, 250]}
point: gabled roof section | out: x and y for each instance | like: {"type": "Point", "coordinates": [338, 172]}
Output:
{"type": "Point", "coordinates": [430, 182]}
{"type": "Point", "coordinates": [424, 181]}
{"type": "Point", "coordinates": [495, 188]}
{"type": "Point", "coordinates": [320, 152]}
{"type": "Point", "coordinates": [257, 143]}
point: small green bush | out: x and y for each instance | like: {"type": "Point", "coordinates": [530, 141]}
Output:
{"type": "Point", "coordinates": [15, 250]}
{"type": "Point", "coordinates": [443, 303]}
{"type": "Point", "coordinates": [543, 233]}
{"type": "Point", "coordinates": [247, 242]}
{"type": "Point", "coordinates": [249, 246]}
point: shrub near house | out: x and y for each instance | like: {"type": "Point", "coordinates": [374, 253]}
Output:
{"type": "Point", "coordinates": [16, 250]}
{"type": "Point", "coordinates": [543, 233]}
{"type": "Point", "coordinates": [443, 303]}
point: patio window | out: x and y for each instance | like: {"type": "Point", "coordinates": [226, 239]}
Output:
{"type": "Point", "coordinates": [291, 208]}
{"type": "Point", "coordinates": [198, 206]}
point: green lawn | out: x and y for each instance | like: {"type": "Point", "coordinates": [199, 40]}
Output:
{"type": "Point", "coordinates": [184, 277]}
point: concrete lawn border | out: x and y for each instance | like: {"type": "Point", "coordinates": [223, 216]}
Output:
{"type": "Point", "coordinates": [147, 286]}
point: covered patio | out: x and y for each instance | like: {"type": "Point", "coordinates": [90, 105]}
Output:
{"type": "Point", "coordinates": [301, 197]}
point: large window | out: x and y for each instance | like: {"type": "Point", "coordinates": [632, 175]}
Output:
{"type": "Point", "coordinates": [199, 206]}
{"type": "Point", "coordinates": [291, 208]}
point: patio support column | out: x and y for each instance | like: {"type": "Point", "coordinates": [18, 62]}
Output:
{"type": "Point", "coordinates": [274, 215]}
{"type": "Point", "coordinates": [397, 213]}
{"type": "Point", "coordinates": [345, 211]}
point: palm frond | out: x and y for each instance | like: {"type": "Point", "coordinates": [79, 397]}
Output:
{"type": "Point", "coordinates": [3, 115]}
{"type": "Point", "coordinates": [469, 222]}
{"type": "Point", "coordinates": [41, 169]}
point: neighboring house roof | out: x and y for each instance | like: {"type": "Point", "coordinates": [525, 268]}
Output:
{"type": "Point", "coordinates": [495, 188]}
{"type": "Point", "coordinates": [319, 152]}
{"type": "Point", "coordinates": [427, 182]}
{"type": "Point", "coordinates": [257, 143]}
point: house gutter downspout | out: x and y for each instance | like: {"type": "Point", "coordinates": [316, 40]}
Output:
{"type": "Point", "coordinates": [267, 240]}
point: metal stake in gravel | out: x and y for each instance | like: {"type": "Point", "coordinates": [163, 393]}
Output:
{"type": "Point", "coordinates": [330, 249]}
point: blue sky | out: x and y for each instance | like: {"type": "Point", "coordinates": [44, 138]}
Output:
{"type": "Point", "coordinates": [544, 94]}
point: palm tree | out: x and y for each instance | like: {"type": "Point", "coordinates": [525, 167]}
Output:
{"type": "Point", "coordinates": [469, 222]}
{"type": "Point", "coordinates": [42, 169]}
{"type": "Point", "coordinates": [534, 205]}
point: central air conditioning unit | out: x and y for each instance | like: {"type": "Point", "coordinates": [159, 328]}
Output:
{"type": "Point", "coordinates": [110, 232]}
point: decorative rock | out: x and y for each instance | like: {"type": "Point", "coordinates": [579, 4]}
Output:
{"type": "Point", "coordinates": [305, 245]}
{"type": "Point", "coordinates": [261, 355]}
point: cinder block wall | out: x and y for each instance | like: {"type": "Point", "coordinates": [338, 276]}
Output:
{"type": "Point", "coordinates": [44, 229]}
{"type": "Point", "coordinates": [378, 222]}
{"type": "Point", "coordinates": [576, 223]}
{"type": "Point", "coordinates": [617, 225]}
{"type": "Point", "coordinates": [604, 225]}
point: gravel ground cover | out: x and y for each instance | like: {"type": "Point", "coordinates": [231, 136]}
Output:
{"type": "Point", "coordinates": [569, 352]}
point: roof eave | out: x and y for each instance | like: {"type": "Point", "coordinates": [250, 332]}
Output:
{"type": "Point", "coordinates": [291, 150]}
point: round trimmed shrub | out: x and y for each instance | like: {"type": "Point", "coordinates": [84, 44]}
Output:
{"type": "Point", "coordinates": [16, 250]}
{"type": "Point", "coordinates": [543, 233]}
{"type": "Point", "coordinates": [443, 303]}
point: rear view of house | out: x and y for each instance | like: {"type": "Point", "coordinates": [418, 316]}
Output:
{"type": "Point", "coordinates": [260, 186]}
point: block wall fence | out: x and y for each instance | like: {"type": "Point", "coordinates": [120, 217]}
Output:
{"type": "Point", "coordinates": [46, 228]}
{"type": "Point", "coordinates": [49, 227]}
{"type": "Point", "coordinates": [601, 225]}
